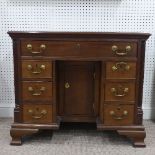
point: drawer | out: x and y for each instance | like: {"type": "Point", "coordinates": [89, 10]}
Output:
{"type": "Point", "coordinates": [37, 113]}
{"type": "Point", "coordinates": [120, 91]}
{"type": "Point", "coordinates": [78, 48]}
{"type": "Point", "coordinates": [121, 70]}
{"type": "Point", "coordinates": [36, 69]}
{"type": "Point", "coordinates": [118, 114]}
{"type": "Point", "coordinates": [37, 90]}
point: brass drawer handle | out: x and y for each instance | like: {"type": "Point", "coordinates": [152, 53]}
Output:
{"type": "Point", "coordinates": [36, 92]}
{"type": "Point", "coordinates": [37, 115]}
{"type": "Point", "coordinates": [120, 92]}
{"type": "Point", "coordinates": [30, 48]}
{"type": "Point", "coordinates": [122, 53]}
{"type": "Point", "coordinates": [112, 113]}
{"type": "Point", "coordinates": [121, 66]}
{"type": "Point", "coordinates": [37, 69]}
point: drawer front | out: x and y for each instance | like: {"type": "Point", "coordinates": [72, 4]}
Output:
{"type": "Point", "coordinates": [37, 113]}
{"type": "Point", "coordinates": [78, 49]}
{"type": "Point", "coordinates": [120, 91]}
{"type": "Point", "coordinates": [121, 70]}
{"type": "Point", "coordinates": [37, 90]}
{"type": "Point", "coordinates": [118, 115]}
{"type": "Point", "coordinates": [36, 69]}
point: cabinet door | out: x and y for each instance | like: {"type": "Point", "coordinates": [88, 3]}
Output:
{"type": "Point", "coordinates": [77, 89]}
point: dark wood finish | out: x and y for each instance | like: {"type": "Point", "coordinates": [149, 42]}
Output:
{"type": "Point", "coordinates": [105, 74]}
{"type": "Point", "coordinates": [46, 35]}
{"type": "Point", "coordinates": [18, 133]}
{"type": "Point", "coordinates": [37, 113]}
{"type": "Point", "coordinates": [36, 69]}
{"type": "Point", "coordinates": [119, 118]}
{"type": "Point", "coordinates": [121, 70]}
{"type": "Point", "coordinates": [136, 136]}
{"type": "Point", "coordinates": [40, 90]}
{"type": "Point", "coordinates": [77, 99]}
{"type": "Point", "coordinates": [120, 94]}
{"type": "Point", "coordinates": [76, 48]}
{"type": "Point", "coordinates": [140, 77]}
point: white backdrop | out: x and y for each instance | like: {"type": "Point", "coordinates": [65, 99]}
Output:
{"type": "Point", "coordinates": [75, 15]}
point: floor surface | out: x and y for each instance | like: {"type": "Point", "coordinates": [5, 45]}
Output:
{"type": "Point", "coordinates": [76, 141]}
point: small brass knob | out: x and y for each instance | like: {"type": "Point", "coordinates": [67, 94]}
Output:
{"type": "Point", "coordinates": [112, 113]}
{"type": "Point", "coordinates": [42, 89]}
{"type": "Point", "coordinates": [30, 111]}
{"type": "Point", "coordinates": [29, 46]}
{"type": "Point", "coordinates": [125, 112]}
{"type": "Point", "coordinates": [30, 89]}
{"type": "Point", "coordinates": [42, 67]}
{"type": "Point", "coordinates": [126, 90]}
{"type": "Point", "coordinates": [114, 48]}
{"type": "Point", "coordinates": [43, 46]}
{"type": "Point", "coordinates": [128, 48]}
{"type": "Point", "coordinates": [29, 67]}
{"type": "Point", "coordinates": [44, 112]}
{"type": "Point", "coordinates": [127, 67]}
{"type": "Point", "coordinates": [114, 68]}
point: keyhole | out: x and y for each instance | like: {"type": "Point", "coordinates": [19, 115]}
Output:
{"type": "Point", "coordinates": [67, 85]}
{"type": "Point", "coordinates": [118, 108]}
{"type": "Point", "coordinates": [77, 45]}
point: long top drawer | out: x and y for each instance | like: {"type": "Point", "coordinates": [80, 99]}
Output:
{"type": "Point", "coordinates": [78, 48]}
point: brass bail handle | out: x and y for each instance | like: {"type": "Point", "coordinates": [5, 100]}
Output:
{"type": "Point", "coordinates": [37, 69]}
{"type": "Point", "coordinates": [37, 115]}
{"type": "Point", "coordinates": [36, 92]}
{"type": "Point", "coordinates": [112, 113]}
{"type": "Point", "coordinates": [120, 93]}
{"type": "Point", "coordinates": [121, 66]}
{"type": "Point", "coordinates": [115, 49]}
{"type": "Point", "coordinates": [41, 48]}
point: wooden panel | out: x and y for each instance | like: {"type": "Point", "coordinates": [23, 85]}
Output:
{"type": "Point", "coordinates": [120, 91]}
{"type": "Point", "coordinates": [121, 70]}
{"type": "Point", "coordinates": [118, 114]}
{"type": "Point", "coordinates": [37, 90]}
{"type": "Point", "coordinates": [78, 98]}
{"type": "Point", "coordinates": [37, 113]}
{"type": "Point", "coordinates": [77, 48]}
{"type": "Point", "coordinates": [36, 69]}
